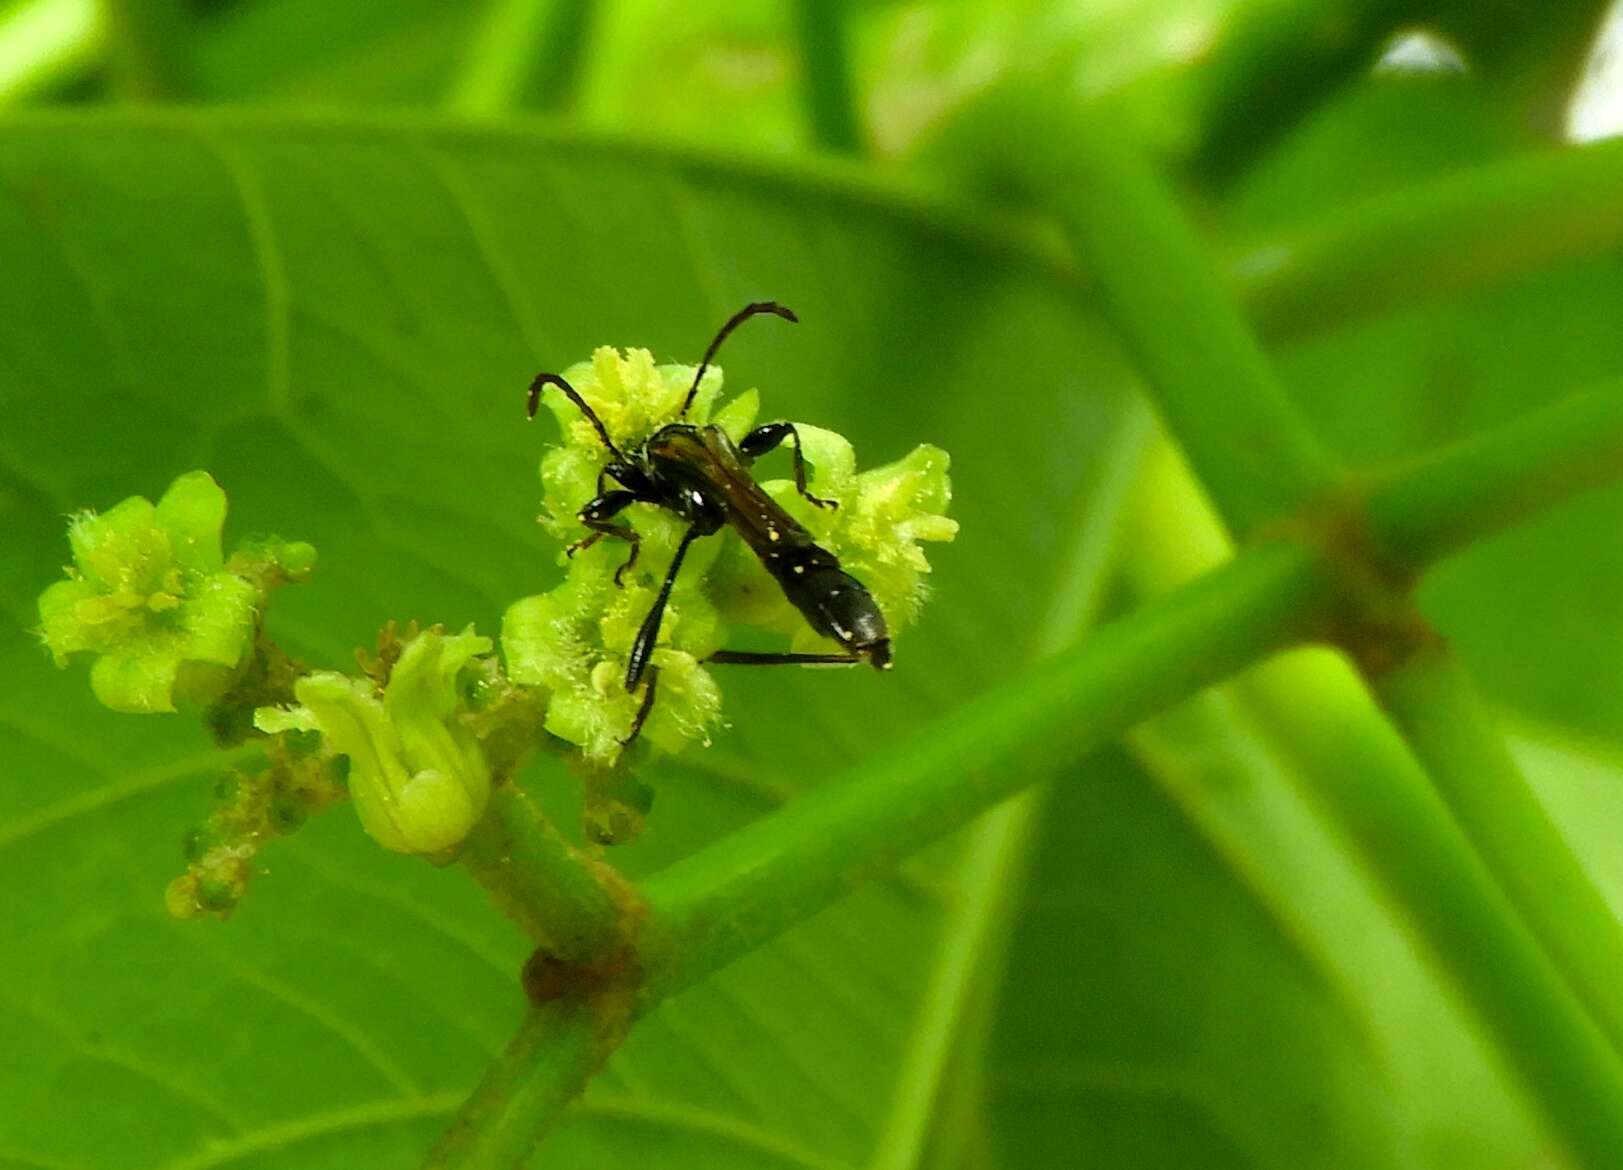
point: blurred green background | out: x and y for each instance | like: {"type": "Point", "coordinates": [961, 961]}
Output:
{"type": "Point", "coordinates": [319, 247]}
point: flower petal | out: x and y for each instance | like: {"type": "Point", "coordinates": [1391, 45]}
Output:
{"type": "Point", "coordinates": [136, 683]}
{"type": "Point", "coordinates": [192, 512]}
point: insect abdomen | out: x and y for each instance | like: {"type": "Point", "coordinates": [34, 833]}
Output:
{"type": "Point", "coordinates": [833, 602]}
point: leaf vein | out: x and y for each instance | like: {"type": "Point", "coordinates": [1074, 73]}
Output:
{"type": "Point", "coordinates": [134, 784]}
{"type": "Point", "coordinates": [287, 1134]}
{"type": "Point", "coordinates": [129, 1062]}
{"type": "Point", "coordinates": [752, 1138]}
{"type": "Point", "coordinates": [261, 227]}
{"type": "Point", "coordinates": [333, 1022]}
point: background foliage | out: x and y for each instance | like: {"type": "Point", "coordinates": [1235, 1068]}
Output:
{"type": "Point", "coordinates": [332, 293]}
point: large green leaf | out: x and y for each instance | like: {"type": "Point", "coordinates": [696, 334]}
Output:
{"type": "Point", "coordinates": [338, 319]}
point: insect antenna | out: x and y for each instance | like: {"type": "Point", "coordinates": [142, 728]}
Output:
{"type": "Point", "coordinates": [534, 404]}
{"type": "Point", "coordinates": [751, 310]}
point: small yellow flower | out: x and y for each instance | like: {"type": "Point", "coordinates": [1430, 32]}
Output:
{"type": "Point", "coordinates": [151, 596]}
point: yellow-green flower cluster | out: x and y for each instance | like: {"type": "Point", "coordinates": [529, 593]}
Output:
{"type": "Point", "coordinates": [572, 642]}
{"type": "Point", "coordinates": [169, 620]}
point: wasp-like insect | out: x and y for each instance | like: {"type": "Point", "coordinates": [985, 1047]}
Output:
{"type": "Point", "coordinates": [698, 473]}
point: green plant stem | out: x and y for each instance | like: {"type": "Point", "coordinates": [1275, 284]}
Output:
{"type": "Point", "coordinates": [1432, 701]}
{"type": "Point", "coordinates": [826, 75]}
{"type": "Point", "coordinates": [1205, 371]}
{"type": "Point", "coordinates": [1370, 789]}
{"type": "Point", "coordinates": [571, 904]}
{"type": "Point", "coordinates": [1276, 62]}
{"type": "Point", "coordinates": [1530, 54]}
{"type": "Point", "coordinates": [45, 44]}
{"type": "Point", "coordinates": [723, 901]}
{"type": "Point", "coordinates": [526, 54]}
{"type": "Point", "coordinates": [1515, 470]}
{"type": "Point", "coordinates": [557, 1048]}
{"type": "Point", "coordinates": [1351, 763]}
{"type": "Point", "coordinates": [1544, 881]}
{"type": "Point", "coordinates": [1458, 233]}
{"type": "Point", "coordinates": [1124, 224]}
{"type": "Point", "coordinates": [147, 49]}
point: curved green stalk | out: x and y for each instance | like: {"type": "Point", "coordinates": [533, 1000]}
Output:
{"type": "Point", "coordinates": [1259, 460]}
{"type": "Point", "coordinates": [1319, 714]}
{"type": "Point", "coordinates": [1515, 471]}
{"type": "Point", "coordinates": [525, 55]}
{"type": "Point", "coordinates": [826, 82]}
{"type": "Point", "coordinates": [1204, 370]}
{"type": "Point", "coordinates": [576, 907]}
{"type": "Point", "coordinates": [1432, 701]}
{"type": "Point", "coordinates": [1456, 234]}
{"type": "Point", "coordinates": [148, 51]}
{"type": "Point", "coordinates": [556, 1049]}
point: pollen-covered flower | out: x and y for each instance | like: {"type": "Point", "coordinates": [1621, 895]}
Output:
{"type": "Point", "coordinates": [151, 595]}
{"type": "Point", "coordinates": [573, 641]}
{"type": "Point", "coordinates": [882, 517]}
{"type": "Point", "coordinates": [418, 777]}
{"type": "Point", "coordinates": [634, 398]}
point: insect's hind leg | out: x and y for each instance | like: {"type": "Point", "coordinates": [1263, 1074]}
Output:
{"type": "Point", "coordinates": [598, 515]}
{"type": "Point", "coordinates": [760, 658]}
{"type": "Point", "coordinates": [646, 707]}
{"type": "Point", "coordinates": [767, 437]}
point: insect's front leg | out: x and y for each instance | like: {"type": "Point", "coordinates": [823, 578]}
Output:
{"type": "Point", "coordinates": [767, 437]}
{"type": "Point", "coordinates": [598, 515]}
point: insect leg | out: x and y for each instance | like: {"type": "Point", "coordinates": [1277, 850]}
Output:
{"type": "Point", "coordinates": [648, 632]}
{"type": "Point", "coordinates": [598, 515]}
{"type": "Point", "coordinates": [752, 658]}
{"type": "Point", "coordinates": [644, 709]}
{"type": "Point", "coordinates": [767, 437]}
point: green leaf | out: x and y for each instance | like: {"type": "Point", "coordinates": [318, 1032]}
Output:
{"type": "Point", "coordinates": [1127, 1044]}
